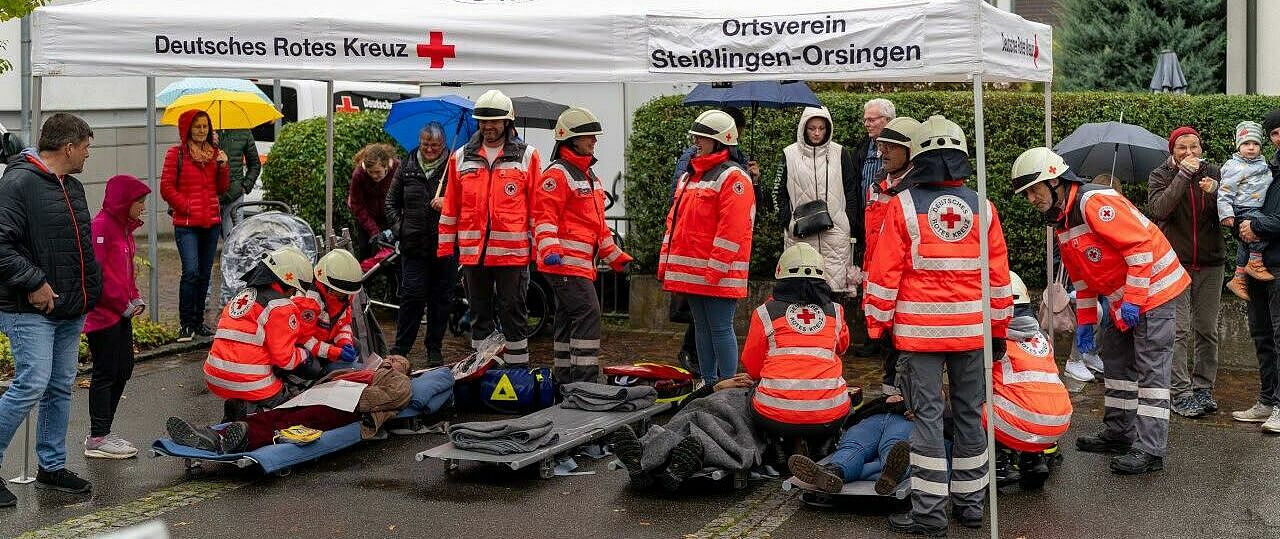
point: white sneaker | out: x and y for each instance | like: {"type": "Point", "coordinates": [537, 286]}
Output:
{"type": "Point", "coordinates": [1076, 369]}
{"type": "Point", "coordinates": [1256, 414]}
{"type": "Point", "coordinates": [107, 447]}
{"type": "Point", "coordinates": [117, 438]}
{"type": "Point", "coordinates": [1273, 422]}
{"type": "Point", "coordinates": [1093, 362]}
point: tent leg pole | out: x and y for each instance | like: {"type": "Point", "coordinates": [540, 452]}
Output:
{"type": "Point", "coordinates": [984, 219]}
{"type": "Point", "coordinates": [328, 167]}
{"type": "Point", "coordinates": [36, 124]}
{"type": "Point", "coordinates": [275, 100]}
{"type": "Point", "coordinates": [1048, 230]}
{"type": "Point", "coordinates": [153, 214]}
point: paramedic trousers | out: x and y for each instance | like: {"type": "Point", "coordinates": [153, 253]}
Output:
{"type": "Point", "coordinates": [1136, 367]}
{"type": "Point", "coordinates": [577, 329]}
{"type": "Point", "coordinates": [497, 295]}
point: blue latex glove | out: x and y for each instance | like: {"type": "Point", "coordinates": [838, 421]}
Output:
{"type": "Point", "coordinates": [1129, 313]}
{"type": "Point", "coordinates": [349, 354]}
{"type": "Point", "coordinates": [1084, 339]}
{"type": "Point", "coordinates": [552, 259]}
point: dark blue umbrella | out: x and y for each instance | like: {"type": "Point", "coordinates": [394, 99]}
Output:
{"type": "Point", "coordinates": [1125, 151]}
{"type": "Point", "coordinates": [754, 94]}
{"type": "Point", "coordinates": [452, 112]}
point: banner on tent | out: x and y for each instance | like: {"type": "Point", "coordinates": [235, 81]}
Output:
{"type": "Point", "coordinates": [859, 40]}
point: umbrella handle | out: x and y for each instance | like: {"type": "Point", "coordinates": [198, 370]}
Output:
{"type": "Point", "coordinates": [439, 186]}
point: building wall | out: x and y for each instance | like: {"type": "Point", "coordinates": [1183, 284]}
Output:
{"type": "Point", "coordinates": [1042, 11]}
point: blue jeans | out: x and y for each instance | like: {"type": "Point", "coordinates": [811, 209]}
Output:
{"type": "Point", "coordinates": [862, 449]}
{"type": "Point", "coordinates": [44, 358]}
{"type": "Point", "coordinates": [714, 336]}
{"type": "Point", "coordinates": [196, 248]}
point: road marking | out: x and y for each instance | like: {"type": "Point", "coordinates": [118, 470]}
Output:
{"type": "Point", "coordinates": [152, 505]}
{"type": "Point", "coordinates": [761, 512]}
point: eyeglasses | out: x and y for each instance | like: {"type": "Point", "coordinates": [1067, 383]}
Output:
{"type": "Point", "coordinates": [871, 118]}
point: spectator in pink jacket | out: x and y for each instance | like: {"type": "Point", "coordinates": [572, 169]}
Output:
{"type": "Point", "coordinates": [108, 326]}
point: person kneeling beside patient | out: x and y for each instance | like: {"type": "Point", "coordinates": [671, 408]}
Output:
{"type": "Point", "coordinates": [326, 310]}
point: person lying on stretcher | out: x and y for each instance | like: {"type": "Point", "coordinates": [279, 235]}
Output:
{"type": "Point", "coordinates": [387, 391]}
{"type": "Point", "coordinates": [874, 448]}
{"type": "Point", "coordinates": [325, 330]}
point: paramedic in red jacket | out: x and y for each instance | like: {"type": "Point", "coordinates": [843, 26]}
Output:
{"type": "Point", "coordinates": [195, 173]}
{"type": "Point", "coordinates": [706, 249]}
{"type": "Point", "coordinates": [924, 285]}
{"type": "Point", "coordinates": [570, 235]}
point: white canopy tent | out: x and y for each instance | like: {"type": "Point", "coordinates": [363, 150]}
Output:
{"type": "Point", "coordinates": [492, 41]}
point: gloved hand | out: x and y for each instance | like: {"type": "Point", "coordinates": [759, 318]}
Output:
{"type": "Point", "coordinates": [552, 260]}
{"type": "Point", "coordinates": [626, 267]}
{"type": "Point", "coordinates": [1129, 313]}
{"type": "Point", "coordinates": [349, 354]}
{"type": "Point", "coordinates": [1084, 339]}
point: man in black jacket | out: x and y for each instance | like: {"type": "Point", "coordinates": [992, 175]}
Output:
{"type": "Point", "coordinates": [49, 280]}
{"type": "Point", "coordinates": [1264, 297]}
{"type": "Point", "coordinates": [413, 208]}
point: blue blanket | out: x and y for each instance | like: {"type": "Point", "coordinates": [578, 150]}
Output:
{"type": "Point", "coordinates": [431, 391]}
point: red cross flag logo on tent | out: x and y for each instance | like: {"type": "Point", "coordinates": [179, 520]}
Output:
{"type": "Point", "coordinates": [346, 105]}
{"type": "Point", "coordinates": [950, 218]}
{"type": "Point", "coordinates": [435, 49]}
{"type": "Point", "coordinates": [806, 319]}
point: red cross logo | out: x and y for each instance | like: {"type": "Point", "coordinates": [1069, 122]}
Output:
{"type": "Point", "coordinates": [560, 132]}
{"type": "Point", "coordinates": [728, 137]}
{"type": "Point", "coordinates": [436, 50]}
{"type": "Point", "coordinates": [1053, 170]}
{"type": "Point", "coordinates": [806, 316]}
{"type": "Point", "coordinates": [289, 276]}
{"type": "Point", "coordinates": [241, 302]}
{"type": "Point", "coordinates": [346, 105]}
{"type": "Point", "coordinates": [950, 218]}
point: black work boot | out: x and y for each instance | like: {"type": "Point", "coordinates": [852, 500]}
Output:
{"type": "Point", "coordinates": [904, 523]}
{"type": "Point", "coordinates": [686, 460]}
{"type": "Point", "coordinates": [895, 468]}
{"type": "Point", "coordinates": [1135, 462]}
{"type": "Point", "coordinates": [969, 517]}
{"type": "Point", "coordinates": [827, 478]}
{"type": "Point", "coordinates": [629, 450]}
{"type": "Point", "coordinates": [1007, 472]}
{"type": "Point", "coordinates": [189, 435]}
{"type": "Point", "coordinates": [1035, 470]}
{"type": "Point", "coordinates": [1101, 443]}
{"type": "Point", "coordinates": [7, 499]}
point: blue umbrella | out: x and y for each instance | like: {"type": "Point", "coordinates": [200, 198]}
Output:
{"type": "Point", "coordinates": [452, 112]}
{"type": "Point", "coordinates": [200, 85]}
{"type": "Point", "coordinates": [754, 94]}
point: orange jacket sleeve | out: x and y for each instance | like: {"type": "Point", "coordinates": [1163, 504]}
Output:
{"type": "Point", "coordinates": [1128, 233]}
{"type": "Point", "coordinates": [282, 327]}
{"type": "Point", "coordinates": [732, 241]}
{"type": "Point", "coordinates": [1001, 287]}
{"type": "Point", "coordinates": [449, 211]}
{"type": "Point", "coordinates": [548, 205]}
{"type": "Point", "coordinates": [884, 270]}
{"type": "Point", "coordinates": [755, 348]}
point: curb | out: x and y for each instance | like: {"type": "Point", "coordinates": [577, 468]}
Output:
{"type": "Point", "coordinates": [155, 353]}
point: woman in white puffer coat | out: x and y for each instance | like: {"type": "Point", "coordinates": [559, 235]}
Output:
{"type": "Point", "coordinates": [815, 168]}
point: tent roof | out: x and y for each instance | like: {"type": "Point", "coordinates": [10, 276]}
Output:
{"type": "Point", "coordinates": [542, 40]}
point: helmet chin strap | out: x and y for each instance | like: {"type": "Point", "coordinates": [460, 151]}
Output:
{"type": "Point", "coordinates": [1054, 213]}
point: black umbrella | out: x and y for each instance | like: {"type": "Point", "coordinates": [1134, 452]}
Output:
{"type": "Point", "coordinates": [768, 93]}
{"type": "Point", "coordinates": [1125, 151]}
{"type": "Point", "coordinates": [1168, 77]}
{"type": "Point", "coordinates": [536, 113]}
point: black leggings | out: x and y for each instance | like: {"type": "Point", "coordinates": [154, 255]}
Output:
{"type": "Point", "coordinates": [112, 352]}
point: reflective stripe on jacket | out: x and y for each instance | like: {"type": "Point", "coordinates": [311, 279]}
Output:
{"type": "Point", "coordinates": [924, 280]}
{"type": "Point", "coordinates": [568, 219]}
{"type": "Point", "coordinates": [258, 330]}
{"type": "Point", "coordinates": [319, 333]}
{"type": "Point", "coordinates": [1111, 249]}
{"type": "Point", "coordinates": [1033, 408]}
{"type": "Point", "coordinates": [706, 249]}
{"type": "Point", "coordinates": [486, 208]}
{"type": "Point", "coordinates": [793, 351]}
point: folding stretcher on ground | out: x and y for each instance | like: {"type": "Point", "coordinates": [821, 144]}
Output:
{"type": "Point", "coordinates": [812, 496]}
{"type": "Point", "coordinates": [575, 427]}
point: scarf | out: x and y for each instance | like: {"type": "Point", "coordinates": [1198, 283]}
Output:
{"type": "Point", "coordinates": [429, 167]}
{"type": "Point", "coordinates": [201, 152]}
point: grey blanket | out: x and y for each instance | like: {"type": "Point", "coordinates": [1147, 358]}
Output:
{"type": "Point", "coordinates": [605, 398]}
{"type": "Point", "coordinates": [721, 421]}
{"type": "Point", "coordinates": [503, 437]}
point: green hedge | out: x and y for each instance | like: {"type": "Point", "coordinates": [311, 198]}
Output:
{"type": "Point", "coordinates": [294, 173]}
{"type": "Point", "coordinates": [1014, 122]}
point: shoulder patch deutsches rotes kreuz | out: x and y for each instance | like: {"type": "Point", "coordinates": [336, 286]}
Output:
{"type": "Point", "coordinates": [510, 189]}
{"type": "Point", "coordinates": [1094, 254]}
{"type": "Point", "coordinates": [806, 319]}
{"type": "Point", "coordinates": [950, 218]}
{"type": "Point", "coordinates": [549, 184]}
{"type": "Point", "coordinates": [1037, 346]}
{"type": "Point", "coordinates": [738, 188]}
{"type": "Point", "coordinates": [293, 321]}
{"type": "Point", "coordinates": [1106, 213]}
{"type": "Point", "coordinates": [243, 301]}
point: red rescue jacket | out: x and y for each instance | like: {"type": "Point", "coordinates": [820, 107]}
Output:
{"type": "Point", "coordinates": [324, 330]}
{"type": "Point", "coordinates": [1033, 408]}
{"type": "Point", "coordinates": [258, 331]}
{"type": "Point", "coordinates": [706, 249]}
{"type": "Point", "coordinates": [793, 351]}
{"type": "Point", "coordinates": [486, 212]}
{"type": "Point", "coordinates": [568, 219]}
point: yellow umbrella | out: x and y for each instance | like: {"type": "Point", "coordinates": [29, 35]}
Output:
{"type": "Point", "coordinates": [227, 109]}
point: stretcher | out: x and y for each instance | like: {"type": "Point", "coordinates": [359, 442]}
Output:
{"type": "Point", "coordinates": [431, 392]}
{"type": "Point", "coordinates": [741, 478]}
{"type": "Point", "coordinates": [811, 495]}
{"type": "Point", "coordinates": [575, 427]}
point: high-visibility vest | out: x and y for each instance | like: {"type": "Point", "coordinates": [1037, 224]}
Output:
{"type": "Point", "coordinates": [486, 207]}
{"type": "Point", "coordinates": [924, 279]}
{"type": "Point", "coordinates": [568, 219]}
{"type": "Point", "coordinates": [793, 351]}
{"type": "Point", "coordinates": [1032, 407]}
{"type": "Point", "coordinates": [878, 197]}
{"type": "Point", "coordinates": [1111, 249]}
{"type": "Point", "coordinates": [706, 249]}
{"type": "Point", "coordinates": [258, 330]}
{"type": "Point", "coordinates": [326, 324]}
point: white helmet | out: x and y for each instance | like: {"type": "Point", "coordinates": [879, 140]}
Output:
{"type": "Point", "coordinates": [290, 265]}
{"type": "Point", "coordinates": [339, 270]}
{"type": "Point", "coordinates": [799, 260]}
{"type": "Point", "coordinates": [494, 105]}
{"type": "Point", "coordinates": [938, 133]}
{"type": "Point", "coordinates": [577, 121]}
{"type": "Point", "coordinates": [1020, 295]}
{"type": "Point", "coordinates": [716, 125]}
{"type": "Point", "coordinates": [1038, 165]}
{"type": "Point", "coordinates": [901, 131]}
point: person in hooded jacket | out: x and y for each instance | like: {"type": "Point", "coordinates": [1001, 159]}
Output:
{"type": "Point", "coordinates": [195, 173]}
{"type": "Point", "coordinates": [815, 171]}
{"type": "Point", "coordinates": [375, 167]}
{"type": "Point", "coordinates": [109, 326]}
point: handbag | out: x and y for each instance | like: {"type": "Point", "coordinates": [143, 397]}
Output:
{"type": "Point", "coordinates": [812, 217]}
{"type": "Point", "coordinates": [1056, 308]}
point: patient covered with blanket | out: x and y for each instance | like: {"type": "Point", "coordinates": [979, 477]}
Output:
{"type": "Point", "coordinates": [368, 396]}
{"type": "Point", "coordinates": [714, 428]}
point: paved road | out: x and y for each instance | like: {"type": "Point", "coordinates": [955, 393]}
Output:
{"type": "Point", "coordinates": [1219, 483]}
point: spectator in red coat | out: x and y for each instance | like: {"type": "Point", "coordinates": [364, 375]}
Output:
{"type": "Point", "coordinates": [195, 173]}
{"type": "Point", "coordinates": [376, 165]}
